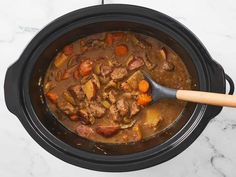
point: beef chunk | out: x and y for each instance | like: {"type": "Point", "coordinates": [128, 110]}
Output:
{"type": "Point", "coordinates": [112, 96]}
{"type": "Point", "coordinates": [123, 107]}
{"type": "Point", "coordinates": [66, 107]}
{"type": "Point", "coordinates": [115, 62]}
{"type": "Point", "coordinates": [127, 95]}
{"type": "Point", "coordinates": [96, 110]}
{"type": "Point", "coordinates": [110, 84]}
{"type": "Point", "coordinates": [104, 80]}
{"type": "Point", "coordinates": [119, 110]}
{"type": "Point", "coordinates": [115, 114]}
{"type": "Point", "coordinates": [136, 63]}
{"type": "Point", "coordinates": [105, 70]}
{"type": "Point", "coordinates": [143, 41]}
{"type": "Point", "coordinates": [148, 63]}
{"type": "Point", "coordinates": [119, 73]}
{"type": "Point", "coordinates": [94, 44]}
{"type": "Point", "coordinates": [77, 92]}
{"type": "Point", "coordinates": [84, 131]}
{"type": "Point", "coordinates": [168, 66]}
{"type": "Point", "coordinates": [107, 130]}
{"type": "Point", "coordinates": [126, 87]}
{"type": "Point", "coordinates": [135, 108]}
{"type": "Point", "coordinates": [85, 116]}
{"type": "Point", "coordinates": [97, 43]}
{"type": "Point", "coordinates": [96, 81]}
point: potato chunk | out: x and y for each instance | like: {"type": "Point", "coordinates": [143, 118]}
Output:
{"type": "Point", "coordinates": [137, 133]}
{"type": "Point", "coordinates": [60, 60]}
{"type": "Point", "coordinates": [153, 117]}
{"type": "Point", "coordinates": [89, 89]}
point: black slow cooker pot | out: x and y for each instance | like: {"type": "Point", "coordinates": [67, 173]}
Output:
{"type": "Point", "coordinates": [24, 98]}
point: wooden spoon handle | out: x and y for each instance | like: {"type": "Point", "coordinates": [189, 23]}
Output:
{"type": "Point", "coordinates": [207, 98]}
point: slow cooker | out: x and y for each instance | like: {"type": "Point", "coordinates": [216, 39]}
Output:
{"type": "Point", "coordinates": [24, 93]}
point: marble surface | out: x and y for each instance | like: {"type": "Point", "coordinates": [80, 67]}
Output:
{"type": "Point", "coordinates": [212, 154]}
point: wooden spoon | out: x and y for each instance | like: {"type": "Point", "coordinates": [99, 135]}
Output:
{"type": "Point", "coordinates": [158, 92]}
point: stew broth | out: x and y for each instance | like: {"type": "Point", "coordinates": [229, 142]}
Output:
{"type": "Point", "coordinates": [96, 89]}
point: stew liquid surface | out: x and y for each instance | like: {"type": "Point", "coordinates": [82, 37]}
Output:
{"type": "Point", "coordinates": [95, 86]}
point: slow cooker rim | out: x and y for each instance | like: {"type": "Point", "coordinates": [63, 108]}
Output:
{"type": "Point", "coordinates": [167, 17]}
{"type": "Point", "coordinates": [36, 115]}
{"type": "Point", "coordinates": [99, 155]}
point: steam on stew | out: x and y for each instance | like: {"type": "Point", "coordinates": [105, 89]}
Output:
{"type": "Point", "coordinates": [96, 89]}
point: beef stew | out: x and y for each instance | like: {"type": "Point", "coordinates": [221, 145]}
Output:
{"type": "Point", "coordinates": [96, 89]}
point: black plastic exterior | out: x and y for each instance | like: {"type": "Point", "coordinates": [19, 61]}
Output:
{"type": "Point", "coordinates": [18, 100]}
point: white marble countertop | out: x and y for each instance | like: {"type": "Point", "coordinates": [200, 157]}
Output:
{"type": "Point", "coordinates": [212, 154]}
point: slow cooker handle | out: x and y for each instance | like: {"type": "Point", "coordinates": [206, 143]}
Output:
{"type": "Point", "coordinates": [217, 79]}
{"type": "Point", "coordinates": [11, 90]}
{"type": "Point", "coordinates": [231, 84]}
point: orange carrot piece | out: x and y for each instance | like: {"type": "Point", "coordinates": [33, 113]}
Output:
{"type": "Point", "coordinates": [109, 39]}
{"type": "Point", "coordinates": [117, 36]}
{"type": "Point", "coordinates": [121, 50]}
{"type": "Point", "coordinates": [143, 86]}
{"type": "Point", "coordinates": [53, 97]}
{"type": "Point", "coordinates": [85, 67]}
{"type": "Point", "coordinates": [68, 50]}
{"type": "Point", "coordinates": [74, 117]}
{"type": "Point", "coordinates": [144, 99]}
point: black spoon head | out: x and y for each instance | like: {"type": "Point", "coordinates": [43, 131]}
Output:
{"type": "Point", "coordinates": [158, 91]}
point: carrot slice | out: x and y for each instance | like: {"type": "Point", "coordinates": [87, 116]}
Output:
{"type": "Point", "coordinates": [85, 67]}
{"type": "Point", "coordinates": [121, 50]}
{"type": "Point", "coordinates": [144, 99]}
{"type": "Point", "coordinates": [53, 97]}
{"type": "Point", "coordinates": [109, 39]}
{"type": "Point", "coordinates": [117, 36]}
{"type": "Point", "coordinates": [143, 86]}
{"type": "Point", "coordinates": [68, 50]}
{"type": "Point", "coordinates": [74, 117]}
